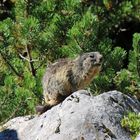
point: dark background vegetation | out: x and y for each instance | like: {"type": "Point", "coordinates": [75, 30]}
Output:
{"type": "Point", "coordinates": [34, 33]}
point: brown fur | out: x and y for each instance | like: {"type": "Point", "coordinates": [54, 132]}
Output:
{"type": "Point", "coordinates": [66, 76]}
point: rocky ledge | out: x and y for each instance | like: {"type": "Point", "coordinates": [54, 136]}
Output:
{"type": "Point", "coordinates": [79, 117]}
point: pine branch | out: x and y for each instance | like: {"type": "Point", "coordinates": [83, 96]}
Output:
{"type": "Point", "coordinates": [10, 65]}
{"type": "Point", "coordinates": [31, 63]}
{"type": "Point", "coordinates": [138, 58]}
{"type": "Point", "coordinates": [33, 60]}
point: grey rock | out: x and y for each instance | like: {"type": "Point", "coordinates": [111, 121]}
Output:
{"type": "Point", "coordinates": [79, 117]}
{"type": "Point", "coordinates": [138, 137]}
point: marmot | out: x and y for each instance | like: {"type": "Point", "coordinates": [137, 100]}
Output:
{"type": "Point", "coordinates": [67, 76]}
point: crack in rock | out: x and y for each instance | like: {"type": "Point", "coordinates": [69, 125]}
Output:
{"type": "Point", "coordinates": [57, 130]}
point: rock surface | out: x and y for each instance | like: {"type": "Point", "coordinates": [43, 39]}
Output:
{"type": "Point", "coordinates": [79, 117]}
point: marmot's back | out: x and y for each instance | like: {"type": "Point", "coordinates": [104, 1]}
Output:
{"type": "Point", "coordinates": [66, 76]}
{"type": "Point", "coordinates": [56, 77]}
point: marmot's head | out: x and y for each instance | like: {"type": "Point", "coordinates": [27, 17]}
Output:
{"type": "Point", "coordinates": [89, 65]}
{"type": "Point", "coordinates": [90, 60]}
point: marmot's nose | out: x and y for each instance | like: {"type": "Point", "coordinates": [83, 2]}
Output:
{"type": "Point", "coordinates": [100, 58]}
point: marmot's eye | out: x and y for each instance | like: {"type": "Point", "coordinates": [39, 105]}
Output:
{"type": "Point", "coordinates": [91, 56]}
{"type": "Point", "coordinates": [84, 58]}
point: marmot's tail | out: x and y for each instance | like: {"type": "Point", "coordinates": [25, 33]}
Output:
{"type": "Point", "coordinates": [41, 109]}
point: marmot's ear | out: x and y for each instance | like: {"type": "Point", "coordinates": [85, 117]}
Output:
{"type": "Point", "coordinates": [81, 53]}
{"type": "Point", "coordinates": [78, 56]}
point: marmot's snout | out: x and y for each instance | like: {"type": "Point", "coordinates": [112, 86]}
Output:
{"type": "Point", "coordinates": [99, 58]}
{"type": "Point", "coordinates": [96, 58]}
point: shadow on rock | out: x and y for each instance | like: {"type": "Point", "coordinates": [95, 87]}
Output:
{"type": "Point", "coordinates": [9, 134]}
